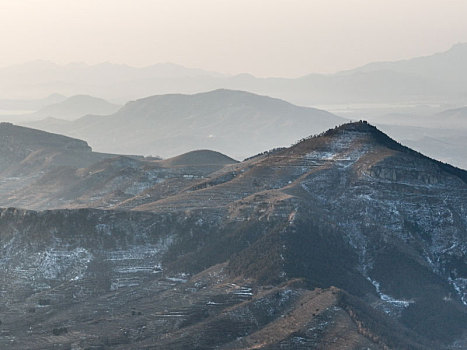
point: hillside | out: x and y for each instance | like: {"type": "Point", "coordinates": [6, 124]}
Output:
{"type": "Point", "coordinates": [75, 107]}
{"type": "Point", "coordinates": [448, 144]}
{"type": "Point", "coordinates": [26, 150]}
{"type": "Point", "coordinates": [217, 120]}
{"type": "Point", "coordinates": [65, 110]}
{"type": "Point", "coordinates": [343, 238]}
{"type": "Point", "coordinates": [200, 157]}
{"type": "Point", "coordinates": [30, 104]}
{"type": "Point", "coordinates": [40, 170]}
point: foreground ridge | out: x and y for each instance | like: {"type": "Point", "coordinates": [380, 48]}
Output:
{"type": "Point", "coordinates": [343, 239]}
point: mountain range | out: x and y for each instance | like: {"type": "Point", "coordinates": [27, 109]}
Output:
{"type": "Point", "coordinates": [435, 79]}
{"type": "Point", "coordinates": [68, 108]}
{"type": "Point", "coordinates": [237, 123]}
{"type": "Point", "coordinates": [346, 239]}
{"type": "Point", "coordinates": [75, 107]}
{"type": "Point", "coordinates": [15, 105]}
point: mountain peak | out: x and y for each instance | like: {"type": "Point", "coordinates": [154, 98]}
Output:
{"type": "Point", "coordinates": [361, 126]}
{"type": "Point", "coordinates": [360, 129]}
{"type": "Point", "coordinates": [200, 157]}
{"type": "Point", "coordinates": [77, 106]}
{"type": "Point", "coordinates": [359, 138]}
{"type": "Point", "coordinates": [365, 128]}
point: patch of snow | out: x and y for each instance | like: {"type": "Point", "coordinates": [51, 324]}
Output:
{"type": "Point", "coordinates": [137, 187]}
{"type": "Point", "coordinates": [177, 279]}
{"type": "Point", "coordinates": [64, 265]}
{"type": "Point", "coordinates": [388, 299]}
{"type": "Point", "coordinates": [104, 228]}
{"type": "Point", "coordinates": [460, 285]}
{"type": "Point", "coordinates": [182, 277]}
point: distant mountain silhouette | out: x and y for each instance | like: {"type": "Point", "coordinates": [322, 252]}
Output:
{"type": "Point", "coordinates": [236, 123]}
{"type": "Point", "coordinates": [69, 108]}
{"type": "Point", "coordinates": [30, 104]}
{"type": "Point", "coordinates": [444, 66]}
{"type": "Point", "coordinates": [456, 117]}
{"type": "Point", "coordinates": [76, 106]}
{"type": "Point", "coordinates": [437, 78]}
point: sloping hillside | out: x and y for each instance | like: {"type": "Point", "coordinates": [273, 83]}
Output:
{"type": "Point", "coordinates": [347, 238]}
{"type": "Point", "coordinates": [232, 122]}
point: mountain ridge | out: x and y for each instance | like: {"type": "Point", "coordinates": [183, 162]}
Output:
{"type": "Point", "coordinates": [454, 58]}
{"type": "Point", "coordinates": [77, 106]}
{"type": "Point", "coordinates": [437, 81]}
{"type": "Point", "coordinates": [346, 235]}
{"type": "Point", "coordinates": [216, 120]}
{"type": "Point", "coordinates": [387, 141]}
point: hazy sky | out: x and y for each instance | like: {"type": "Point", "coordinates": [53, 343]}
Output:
{"type": "Point", "coordinates": [262, 37]}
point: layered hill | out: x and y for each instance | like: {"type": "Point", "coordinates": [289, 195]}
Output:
{"type": "Point", "coordinates": [232, 122]}
{"type": "Point", "coordinates": [40, 170]}
{"type": "Point", "coordinates": [75, 107]}
{"type": "Point", "coordinates": [61, 110]}
{"type": "Point", "coordinates": [26, 150]}
{"type": "Point", "coordinates": [456, 116]}
{"type": "Point", "coordinates": [30, 104]}
{"type": "Point", "coordinates": [241, 124]}
{"type": "Point", "coordinates": [448, 65]}
{"type": "Point", "coordinates": [437, 78]}
{"type": "Point", "coordinates": [347, 239]}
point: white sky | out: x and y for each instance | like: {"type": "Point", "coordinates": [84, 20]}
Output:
{"type": "Point", "coordinates": [261, 37]}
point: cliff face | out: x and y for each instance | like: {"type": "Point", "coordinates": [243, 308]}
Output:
{"type": "Point", "coordinates": [346, 236]}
